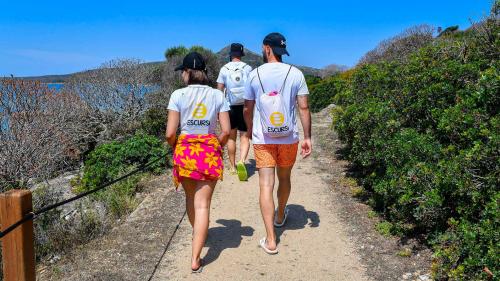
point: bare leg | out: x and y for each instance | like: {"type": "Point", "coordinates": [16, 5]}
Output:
{"type": "Point", "coordinates": [284, 188]}
{"type": "Point", "coordinates": [202, 199]}
{"type": "Point", "coordinates": [189, 189]}
{"type": "Point", "coordinates": [244, 146]}
{"type": "Point", "coordinates": [266, 182]}
{"type": "Point", "coordinates": [231, 149]}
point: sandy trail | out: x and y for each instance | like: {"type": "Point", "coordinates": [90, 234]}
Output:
{"type": "Point", "coordinates": [313, 245]}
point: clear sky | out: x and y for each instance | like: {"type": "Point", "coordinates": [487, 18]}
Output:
{"type": "Point", "coordinates": [58, 37]}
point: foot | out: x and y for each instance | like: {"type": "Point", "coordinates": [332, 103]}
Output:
{"type": "Point", "coordinates": [271, 245]}
{"type": "Point", "coordinates": [280, 222]}
{"type": "Point", "coordinates": [196, 265]}
{"type": "Point", "coordinates": [268, 246]}
{"type": "Point", "coordinates": [232, 170]}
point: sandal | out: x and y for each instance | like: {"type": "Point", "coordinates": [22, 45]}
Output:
{"type": "Point", "coordinates": [263, 245]}
{"type": "Point", "coordinates": [242, 171]}
{"type": "Point", "coordinates": [276, 224]}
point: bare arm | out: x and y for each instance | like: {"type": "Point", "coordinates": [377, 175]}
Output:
{"type": "Point", "coordinates": [248, 116]}
{"type": "Point", "coordinates": [305, 119]}
{"type": "Point", "coordinates": [225, 126]}
{"type": "Point", "coordinates": [221, 87]}
{"type": "Point", "coordinates": [172, 125]}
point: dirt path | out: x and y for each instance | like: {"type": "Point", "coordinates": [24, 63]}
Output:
{"type": "Point", "coordinates": [329, 235]}
{"type": "Point", "coordinates": [313, 245]}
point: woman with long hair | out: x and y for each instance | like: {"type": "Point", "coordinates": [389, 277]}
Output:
{"type": "Point", "coordinates": [198, 149]}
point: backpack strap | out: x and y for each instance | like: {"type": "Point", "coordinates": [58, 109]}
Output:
{"type": "Point", "coordinates": [244, 64]}
{"type": "Point", "coordinates": [260, 81]}
{"type": "Point", "coordinates": [283, 86]}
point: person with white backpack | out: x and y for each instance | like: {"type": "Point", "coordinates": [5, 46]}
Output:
{"type": "Point", "coordinates": [274, 93]}
{"type": "Point", "coordinates": [232, 78]}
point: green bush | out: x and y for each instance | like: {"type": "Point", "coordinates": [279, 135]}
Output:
{"type": "Point", "coordinates": [312, 80]}
{"type": "Point", "coordinates": [423, 136]}
{"type": "Point", "coordinates": [112, 160]}
{"type": "Point", "coordinates": [322, 92]}
{"type": "Point", "coordinates": [154, 122]}
{"type": "Point", "coordinates": [176, 51]}
{"type": "Point", "coordinates": [109, 161]}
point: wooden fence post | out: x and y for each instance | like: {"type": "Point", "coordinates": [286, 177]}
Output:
{"type": "Point", "coordinates": [18, 250]}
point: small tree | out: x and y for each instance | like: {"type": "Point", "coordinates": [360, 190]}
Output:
{"type": "Point", "coordinates": [176, 51]}
{"type": "Point", "coordinates": [116, 94]}
{"type": "Point", "coordinates": [447, 31]}
{"type": "Point", "coordinates": [171, 79]}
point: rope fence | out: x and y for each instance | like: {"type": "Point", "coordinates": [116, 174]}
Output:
{"type": "Point", "coordinates": [35, 214]}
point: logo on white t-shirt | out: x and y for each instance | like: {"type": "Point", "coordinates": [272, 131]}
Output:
{"type": "Point", "coordinates": [199, 112]}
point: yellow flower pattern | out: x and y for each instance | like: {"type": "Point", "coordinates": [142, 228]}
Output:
{"type": "Point", "coordinates": [179, 150]}
{"type": "Point", "coordinates": [215, 143]}
{"type": "Point", "coordinates": [189, 164]}
{"type": "Point", "coordinates": [202, 162]}
{"type": "Point", "coordinates": [211, 160]}
{"type": "Point", "coordinates": [195, 149]}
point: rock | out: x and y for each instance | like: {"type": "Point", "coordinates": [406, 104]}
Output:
{"type": "Point", "coordinates": [331, 106]}
{"type": "Point", "coordinates": [54, 259]}
{"type": "Point", "coordinates": [424, 277]}
{"type": "Point", "coordinates": [406, 276]}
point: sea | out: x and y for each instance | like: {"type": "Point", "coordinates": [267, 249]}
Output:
{"type": "Point", "coordinates": [55, 86]}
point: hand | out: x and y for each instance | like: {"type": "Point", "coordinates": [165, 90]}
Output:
{"type": "Point", "coordinates": [249, 133]}
{"type": "Point", "coordinates": [306, 148]}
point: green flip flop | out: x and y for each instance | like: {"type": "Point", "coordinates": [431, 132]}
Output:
{"type": "Point", "coordinates": [242, 171]}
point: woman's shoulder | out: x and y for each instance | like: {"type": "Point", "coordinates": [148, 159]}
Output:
{"type": "Point", "coordinates": [217, 92]}
{"type": "Point", "coordinates": [180, 91]}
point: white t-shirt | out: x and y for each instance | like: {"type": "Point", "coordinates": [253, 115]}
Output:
{"type": "Point", "coordinates": [224, 76]}
{"type": "Point", "coordinates": [272, 76]}
{"type": "Point", "coordinates": [199, 107]}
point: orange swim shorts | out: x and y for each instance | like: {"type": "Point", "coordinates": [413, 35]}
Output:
{"type": "Point", "coordinates": [272, 155]}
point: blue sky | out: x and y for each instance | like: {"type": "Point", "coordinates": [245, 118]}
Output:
{"type": "Point", "coordinates": [57, 37]}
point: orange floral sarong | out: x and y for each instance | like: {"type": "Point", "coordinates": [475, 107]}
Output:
{"type": "Point", "coordinates": [197, 157]}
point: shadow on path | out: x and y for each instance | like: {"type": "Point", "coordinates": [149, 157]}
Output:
{"type": "Point", "coordinates": [298, 218]}
{"type": "Point", "coordinates": [220, 238]}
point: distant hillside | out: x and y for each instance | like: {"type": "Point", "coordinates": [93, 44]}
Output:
{"type": "Point", "coordinates": [65, 77]}
{"type": "Point", "coordinates": [252, 58]}
{"type": "Point", "coordinates": [49, 78]}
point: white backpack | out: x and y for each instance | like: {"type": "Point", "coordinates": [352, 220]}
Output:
{"type": "Point", "coordinates": [275, 117]}
{"type": "Point", "coordinates": [236, 84]}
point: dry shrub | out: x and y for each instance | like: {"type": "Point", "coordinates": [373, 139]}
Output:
{"type": "Point", "coordinates": [42, 132]}
{"type": "Point", "coordinates": [400, 46]}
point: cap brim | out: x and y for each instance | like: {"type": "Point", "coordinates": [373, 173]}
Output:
{"type": "Point", "coordinates": [280, 51]}
{"type": "Point", "coordinates": [180, 67]}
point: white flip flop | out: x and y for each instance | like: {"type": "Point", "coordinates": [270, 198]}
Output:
{"type": "Point", "coordinates": [276, 224]}
{"type": "Point", "coordinates": [263, 245]}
